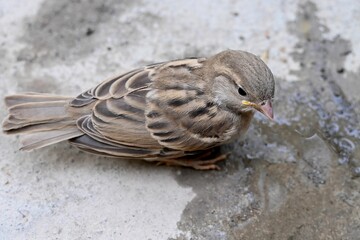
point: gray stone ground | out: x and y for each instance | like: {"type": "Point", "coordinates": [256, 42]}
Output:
{"type": "Point", "coordinates": [296, 178]}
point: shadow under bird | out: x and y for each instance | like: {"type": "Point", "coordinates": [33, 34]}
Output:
{"type": "Point", "coordinates": [174, 112]}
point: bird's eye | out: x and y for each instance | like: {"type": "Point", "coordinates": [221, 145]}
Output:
{"type": "Point", "coordinates": [241, 91]}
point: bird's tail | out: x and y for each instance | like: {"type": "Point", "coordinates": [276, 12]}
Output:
{"type": "Point", "coordinates": [41, 119]}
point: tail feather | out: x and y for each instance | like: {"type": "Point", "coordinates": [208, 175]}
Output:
{"type": "Point", "coordinates": [39, 127]}
{"type": "Point", "coordinates": [42, 139]}
{"type": "Point", "coordinates": [31, 97]}
{"type": "Point", "coordinates": [42, 117]}
{"type": "Point", "coordinates": [38, 112]}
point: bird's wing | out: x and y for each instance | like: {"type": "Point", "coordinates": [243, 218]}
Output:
{"type": "Point", "coordinates": [116, 123]}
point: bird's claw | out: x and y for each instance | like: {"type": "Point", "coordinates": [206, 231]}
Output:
{"type": "Point", "coordinates": [196, 164]}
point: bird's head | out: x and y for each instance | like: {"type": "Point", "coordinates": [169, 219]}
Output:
{"type": "Point", "coordinates": [241, 82]}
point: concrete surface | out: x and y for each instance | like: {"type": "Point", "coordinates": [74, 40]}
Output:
{"type": "Point", "coordinates": [296, 178]}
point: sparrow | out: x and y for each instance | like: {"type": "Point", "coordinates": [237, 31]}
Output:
{"type": "Point", "coordinates": [172, 113]}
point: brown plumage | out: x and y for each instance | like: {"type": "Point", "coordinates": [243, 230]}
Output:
{"type": "Point", "coordinates": [171, 112]}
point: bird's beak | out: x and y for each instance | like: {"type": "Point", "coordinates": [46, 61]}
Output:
{"type": "Point", "coordinates": [265, 108]}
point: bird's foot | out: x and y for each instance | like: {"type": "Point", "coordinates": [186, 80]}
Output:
{"type": "Point", "coordinates": [209, 164]}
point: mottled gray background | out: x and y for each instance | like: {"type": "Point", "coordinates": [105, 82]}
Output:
{"type": "Point", "coordinates": [296, 178]}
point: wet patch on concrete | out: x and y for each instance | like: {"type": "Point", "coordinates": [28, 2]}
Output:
{"type": "Point", "coordinates": [71, 30]}
{"type": "Point", "coordinates": [58, 31]}
{"type": "Point", "coordinates": [65, 36]}
{"type": "Point", "coordinates": [298, 177]}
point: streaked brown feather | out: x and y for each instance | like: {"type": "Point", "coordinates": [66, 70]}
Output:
{"type": "Point", "coordinates": [180, 119]}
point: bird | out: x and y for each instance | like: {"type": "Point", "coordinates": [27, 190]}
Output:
{"type": "Point", "coordinates": [173, 113]}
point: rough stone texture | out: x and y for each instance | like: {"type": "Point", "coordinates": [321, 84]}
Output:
{"type": "Point", "coordinates": [295, 178]}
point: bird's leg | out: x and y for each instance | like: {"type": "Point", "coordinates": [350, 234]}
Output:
{"type": "Point", "coordinates": [198, 164]}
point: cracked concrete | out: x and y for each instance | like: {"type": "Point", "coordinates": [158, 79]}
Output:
{"type": "Point", "coordinates": [296, 178]}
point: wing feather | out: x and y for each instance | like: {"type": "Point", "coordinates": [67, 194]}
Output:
{"type": "Point", "coordinates": [116, 121]}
